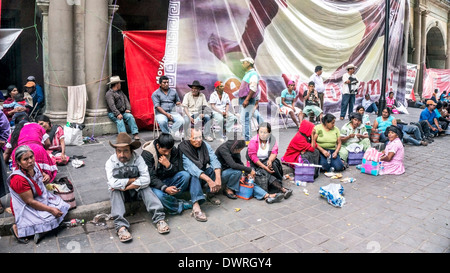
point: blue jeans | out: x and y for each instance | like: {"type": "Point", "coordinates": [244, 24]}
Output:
{"type": "Point", "coordinates": [245, 117]}
{"type": "Point", "coordinates": [411, 129]}
{"type": "Point", "coordinates": [163, 122]}
{"type": "Point", "coordinates": [348, 100]}
{"type": "Point", "coordinates": [120, 123]}
{"type": "Point", "coordinates": [372, 108]}
{"type": "Point", "coordinates": [196, 186]}
{"type": "Point", "coordinates": [206, 123]}
{"type": "Point", "coordinates": [258, 117]}
{"type": "Point", "coordinates": [259, 192]}
{"type": "Point", "coordinates": [230, 178]}
{"type": "Point", "coordinates": [336, 163]}
{"type": "Point", "coordinates": [171, 202]}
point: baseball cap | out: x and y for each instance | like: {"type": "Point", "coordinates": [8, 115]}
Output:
{"type": "Point", "coordinates": [431, 102]}
{"type": "Point", "coordinates": [248, 59]}
{"type": "Point", "coordinates": [217, 83]}
{"type": "Point", "coordinates": [31, 78]}
{"type": "Point", "coordinates": [30, 84]}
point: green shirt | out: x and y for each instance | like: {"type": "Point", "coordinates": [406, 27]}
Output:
{"type": "Point", "coordinates": [347, 130]}
{"type": "Point", "coordinates": [327, 139]}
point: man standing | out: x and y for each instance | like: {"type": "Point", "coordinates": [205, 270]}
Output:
{"type": "Point", "coordinates": [247, 93]}
{"type": "Point", "coordinates": [201, 162]}
{"type": "Point", "coordinates": [197, 109]}
{"type": "Point", "coordinates": [318, 82]}
{"type": "Point", "coordinates": [168, 179]}
{"type": "Point", "coordinates": [119, 108]}
{"type": "Point", "coordinates": [349, 90]}
{"type": "Point", "coordinates": [128, 177]}
{"type": "Point", "coordinates": [164, 100]}
{"type": "Point", "coordinates": [220, 104]}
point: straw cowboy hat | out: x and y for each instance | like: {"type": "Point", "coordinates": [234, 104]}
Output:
{"type": "Point", "coordinates": [350, 66]}
{"type": "Point", "coordinates": [196, 84]}
{"type": "Point", "coordinates": [123, 140]}
{"type": "Point", "coordinates": [114, 79]}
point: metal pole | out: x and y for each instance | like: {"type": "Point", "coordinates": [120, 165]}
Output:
{"type": "Point", "coordinates": [382, 100]}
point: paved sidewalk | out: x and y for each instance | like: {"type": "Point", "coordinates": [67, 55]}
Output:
{"type": "Point", "coordinates": [406, 213]}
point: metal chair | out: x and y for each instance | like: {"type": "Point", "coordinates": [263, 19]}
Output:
{"type": "Point", "coordinates": [282, 116]}
{"type": "Point", "coordinates": [156, 127]}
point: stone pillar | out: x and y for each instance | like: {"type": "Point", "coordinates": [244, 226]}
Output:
{"type": "Point", "coordinates": [447, 63]}
{"type": "Point", "coordinates": [423, 49]}
{"type": "Point", "coordinates": [417, 46]}
{"type": "Point", "coordinates": [79, 51]}
{"type": "Point", "coordinates": [60, 48]}
{"type": "Point", "coordinates": [97, 67]}
{"type": "Point", "coordinates": [43, 7]}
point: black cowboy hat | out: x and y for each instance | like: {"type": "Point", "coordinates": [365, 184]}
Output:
{"type": "Point", "coordinates": [196, 84]}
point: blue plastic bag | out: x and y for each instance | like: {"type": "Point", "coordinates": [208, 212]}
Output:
{"type": "Point", "coordinates": [333, 193]}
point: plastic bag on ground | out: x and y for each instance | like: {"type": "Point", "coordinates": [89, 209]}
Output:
{"type": "Point", "coordinates": [333, 193]}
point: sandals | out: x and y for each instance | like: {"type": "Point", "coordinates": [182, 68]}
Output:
{"type": "Point", "coordinates": [38, 237]}
{"type": "Point", "coordinates": [213, 199]}
{"type": "Point", "coordinates": [229, 195]}
{"type": "Point", "coordinates": [20, 240]}
{"type": "Point", "coordinates": [162, 227]}
{"type": "Point", "coordinates": [124, 235]}
{"type": "Point", "coordinates": [199, 216]}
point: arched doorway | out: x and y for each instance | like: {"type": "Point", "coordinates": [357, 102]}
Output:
{"type": "Point", "coordinates": [435, 57]}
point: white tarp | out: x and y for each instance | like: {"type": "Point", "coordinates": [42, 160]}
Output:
{"type": "Point", "coordinates": [7, 38]}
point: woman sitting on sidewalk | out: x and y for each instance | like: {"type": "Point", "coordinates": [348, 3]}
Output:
{"type": "Point", "coordinates": [262, 154]}
{"type": "Point", "coordinates": [393, 155]}
{"type": "Point", "coordinates": [36, 211]}
{"type": "Point", "coordinates": [57, 149]}
{"type": "Point", "coordinates": [229, 155]}
{"type": "Point", "coordinates": [329, 144]}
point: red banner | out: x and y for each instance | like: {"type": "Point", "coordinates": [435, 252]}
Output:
{"type": "Point", "coordinates": [144, 54]}
{"type": "Point", "coordinates": [435, 79]}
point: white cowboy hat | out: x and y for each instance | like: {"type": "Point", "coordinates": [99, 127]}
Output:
{"type": "Point", "coordinates": [350, 66]}
{"type": "Point", "coordinates": [114, 79]}
{"type": "Point", "coordinates": [248, 59]}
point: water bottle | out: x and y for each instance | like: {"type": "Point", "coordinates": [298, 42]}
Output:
{"type": "Point", "coordinates": [329, 159]}
{"type": "Point", "coordinates": [74, 222]}
{"type": "Point", "coordinates": [251, 180]}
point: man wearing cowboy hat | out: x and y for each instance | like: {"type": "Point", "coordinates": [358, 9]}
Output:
{"type": "Point", "coordinates": [118, 107]}
{"type": "Point", "coordinates": [196, 108]}
{"type": "Point", "coordinates": [349, 90]}
{"type": "Point", "coordinates": [128, 177]}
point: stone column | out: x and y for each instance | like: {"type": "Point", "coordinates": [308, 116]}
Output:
{"type": "Point", "coordinates": [97, 67]}
{"type": "Point", "coordinates": [79, 51]}
{"type": "Point", "coordinates": [417, 46]}
{"type": "Point", "coordinates": [60, 48]}
{"type": "Point", "coordinates": [43, 7]}
{"type": "Point", "coordinates": [447, 63]}
{"type": "Point", "coordinates": [423, 49]}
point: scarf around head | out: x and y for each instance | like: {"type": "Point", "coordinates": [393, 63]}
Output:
{"type": "Point", "coordinates": [198, 156]}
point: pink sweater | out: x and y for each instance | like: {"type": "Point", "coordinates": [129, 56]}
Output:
{"type": "Point", "coordinates": [253, 147]}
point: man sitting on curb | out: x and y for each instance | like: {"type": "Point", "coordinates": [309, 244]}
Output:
{"type": "Point", "coordinates": [168, 180]}
{"type": "Point", "coordinates": [128, 177]}
{"type": "Point", "coordinates": [201, 162]}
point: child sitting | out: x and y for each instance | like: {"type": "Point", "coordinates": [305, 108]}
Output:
{"type": "Point", "coordinates": [19, 101]}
